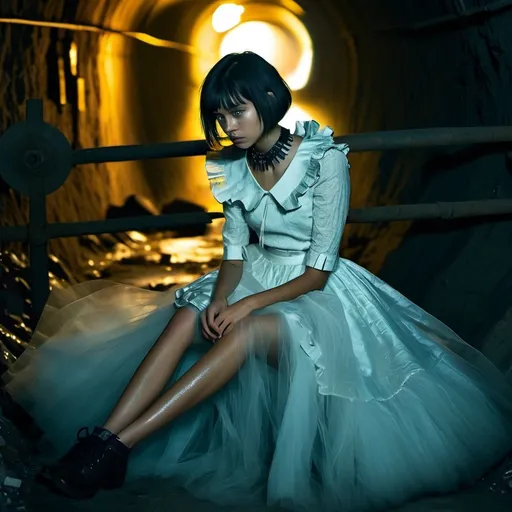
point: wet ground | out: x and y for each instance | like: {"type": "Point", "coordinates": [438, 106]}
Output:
{"type": "Point", "coordinates": [157, 497]}
{"type": "Point", "coordinates": [161, 262]}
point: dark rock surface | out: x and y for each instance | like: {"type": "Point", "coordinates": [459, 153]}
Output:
{"type": "Point", "coordinates": [133, 206]}
{"type": "Point", "coordinates": [182, 206]}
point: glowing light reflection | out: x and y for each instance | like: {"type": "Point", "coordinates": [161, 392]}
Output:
{"type": "Point", "coordinates": [299, 78]}
{"type": "Point", "coordinates": [254, 36]}
{"type": "Point", "coordinates": [139, 36]}
{"type": "Point", "coordinates": [272, 43]}
{"type": "Point", "coordinates": [226, 17]}
{"type": "Point", "coordinates": [293, 115]}
{"type": "Point", "coordinates": [62, 82]}
{"type": "Point", "coordinates": [80, 83]}
{"type": "Point", "coordinates": [73, 58]}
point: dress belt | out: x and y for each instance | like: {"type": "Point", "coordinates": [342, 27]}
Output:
{"type": "Point", "coordinates": [283, 256]}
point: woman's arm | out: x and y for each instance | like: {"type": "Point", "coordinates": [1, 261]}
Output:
{"type": "Point", "coordinates": [229, 276]}
{"type": "Point", "coordinates": [331, 197]}
{"type": "Point", "coordinates": [235, 235]}
{"type": "Point", "coordinates": [312, 279]}
{"type": "Point", "coordinates": [235, 238]}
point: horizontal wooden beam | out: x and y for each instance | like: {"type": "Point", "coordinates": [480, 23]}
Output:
{"type": "Point", "coordinates": [403, 212]}
{"type": "Point", "coordinates": [358, 142]}
{"type": "Point", "coordinates": [98, 227]}
{"type": "Point", "coordinates": [444, 211]}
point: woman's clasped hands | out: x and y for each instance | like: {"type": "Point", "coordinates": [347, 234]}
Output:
{"type": "Point", "coordinates": [219, 318]}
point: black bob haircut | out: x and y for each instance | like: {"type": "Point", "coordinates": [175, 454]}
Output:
{"type": "Point", "coordinates": [241, 77]}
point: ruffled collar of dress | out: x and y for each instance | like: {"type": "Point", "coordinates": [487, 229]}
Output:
{"type": "Point", "coordinates": [231, 179]}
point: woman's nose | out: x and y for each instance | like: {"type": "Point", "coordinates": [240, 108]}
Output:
{"type": "Point", "coordinates": [231, 125]}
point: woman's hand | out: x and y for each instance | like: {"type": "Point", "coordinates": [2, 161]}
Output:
{"type": "Point", "coordinates": [226, 320]}
{"type": "Point", "coordinates": [215, 308]}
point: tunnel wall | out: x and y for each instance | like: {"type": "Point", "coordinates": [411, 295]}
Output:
{"type": "Point", "coordinates": [29, 70]}
{"type": "Point", "coordinates": [417, 69]}
{"type": "Point", "coordinates": [156, 100]}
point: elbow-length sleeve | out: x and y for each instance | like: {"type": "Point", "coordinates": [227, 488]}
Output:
{"type": "Point", "coordinates": [225, 189]}
{"type": "Point", "coordinates": [235, 233]}
{"type": "Point", "coordinates": [331, 198]}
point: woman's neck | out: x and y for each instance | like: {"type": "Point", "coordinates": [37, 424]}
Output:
{"type": "Point", "coordinates": [268, 140]}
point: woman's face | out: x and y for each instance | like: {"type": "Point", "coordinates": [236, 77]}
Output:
{"type": "Point", "coordinates": [241, 124]}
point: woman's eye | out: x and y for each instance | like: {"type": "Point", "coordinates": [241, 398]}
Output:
{"type": "Point", "coordinates": [238, 113]}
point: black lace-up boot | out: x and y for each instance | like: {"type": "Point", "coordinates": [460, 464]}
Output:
{"type": "Point", "coordinates": [97, 461]}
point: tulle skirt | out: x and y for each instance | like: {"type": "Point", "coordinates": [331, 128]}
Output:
{"type": "Point", "coordinates": [372, 401]}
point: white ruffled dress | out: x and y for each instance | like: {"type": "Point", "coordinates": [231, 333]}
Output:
{"type": "Point", "coordinates": [373, 402]}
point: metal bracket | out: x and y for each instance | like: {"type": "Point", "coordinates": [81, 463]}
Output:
{"type": "Point", "coordinates": [34, 151]}
{"type": "Point", "coordinates": [35, 160]}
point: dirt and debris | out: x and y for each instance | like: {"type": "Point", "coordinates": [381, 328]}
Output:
{"type": "Point", "coordinates": [20, 490]}
{"type": "Point", "coordinates": [17, 468]}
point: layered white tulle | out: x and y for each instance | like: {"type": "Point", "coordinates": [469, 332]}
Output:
{"type": "Point", "coordinates": [373, 402]}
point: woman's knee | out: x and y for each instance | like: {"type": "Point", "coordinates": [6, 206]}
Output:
{"type": "Point", "coordinates": [183, 315]}
{"type": "Point", "coordinates": [181, 327]}
{"type": "Point", "coordinates": [257, 331]}
{"type": "Point", "coordinates": [186, 315]}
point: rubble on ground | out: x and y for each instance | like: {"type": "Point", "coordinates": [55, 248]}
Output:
{"type": "Point", "coordinates": [16, 469]}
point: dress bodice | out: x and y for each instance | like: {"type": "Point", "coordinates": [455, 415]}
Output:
{"type": "Point", "coordinates": [304, 211]}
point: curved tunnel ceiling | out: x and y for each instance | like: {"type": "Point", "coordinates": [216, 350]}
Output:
{"type": "Point", "coordinates": [153, 92]}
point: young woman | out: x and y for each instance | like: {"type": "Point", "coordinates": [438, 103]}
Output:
{"type": "Point", "coordinates": [289, 376]}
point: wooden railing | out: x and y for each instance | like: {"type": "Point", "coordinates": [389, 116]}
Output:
{"type": "Point", "coordinates": [36, 159]}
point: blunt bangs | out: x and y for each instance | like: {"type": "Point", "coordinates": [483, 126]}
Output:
{"type": "Point", "coordinates": [236, 79]}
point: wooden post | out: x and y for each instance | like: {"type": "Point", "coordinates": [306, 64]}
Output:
{"type": "Point", "coordinates": [35, 160]}
{"type": "Point", "coordinates": [37, 239]}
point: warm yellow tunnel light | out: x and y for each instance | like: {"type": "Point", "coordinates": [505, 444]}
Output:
{"type": "Point", "coordinates": [293, 115]}
{"type": "Point", "coordinates": [226, 17]}
{"type": "Point", "coordinates": [73, 58]}
{"type": "Point", "coordinates": [271, 43]}
{"type": "Point", "coordinates": [254, 36]}
{"type": "Point", "coordinates": [299, 78]}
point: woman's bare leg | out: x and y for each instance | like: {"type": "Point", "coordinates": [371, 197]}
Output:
{"type": "Point", "coordinates": [207, 376]}
{"type": "Point", "coordinates": [155, 370]}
